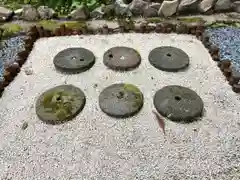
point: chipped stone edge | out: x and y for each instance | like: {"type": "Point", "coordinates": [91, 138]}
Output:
{"type": "Point", "coordinates": [197, 29]}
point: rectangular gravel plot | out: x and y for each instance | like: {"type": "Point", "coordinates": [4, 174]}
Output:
{"type": "Point", "coordinates": [95, 146]}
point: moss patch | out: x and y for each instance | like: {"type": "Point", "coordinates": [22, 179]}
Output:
{"type": "Point", "coordinates": [48, 24]}
{"type": "Point", "coordinates": [10, 30]}
{"type": "Point", "coordinates": [191, 19]}
{"type": "Point", "coordinates": [74, 24]}
{"type": "Point", "coordinates": [155, 20]}
{"type": "Point", "coordinates": [224, 24]}
{"type": "Point", "coordinates": [185, 20]}
{"type": "Point", "coordinates": [52, 25]}
{"type": "Point", "coordinates": [138, 95]}
{"type": "Point", "coordinates": [58, 103]}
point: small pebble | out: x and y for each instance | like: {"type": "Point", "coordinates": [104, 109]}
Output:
{"type": "Point", "coordinates": [28, 71]}
{"type": "Point", "coordinates": [24, 125]}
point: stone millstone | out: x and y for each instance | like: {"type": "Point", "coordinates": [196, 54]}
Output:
{"type": "Point", "coordinates": [121, 100]}
{"type": "Point", "coordinates": [121, 58]}
{"type": "Point", "coordinates": [168, 58]}
{"type": "Point", "coordinates": [178, 103]}
{"type": "Point", "coordinates": [60, 104]}
{"type": "Point", "coordinates": [74, 60]}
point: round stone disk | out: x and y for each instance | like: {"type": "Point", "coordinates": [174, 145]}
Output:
{"type": "Point", "coordinates": [60, 104]}
{"type": "Point", "coordinates": [121, 58]}
{"type": "Point", "coordinates": [168, 58]}
{"type": "Point", "coordinates": [178, 103]}
{"type": "Point", "coordinates": [121, 100]}
{"type": "Point", "coordinates": [74, 60]}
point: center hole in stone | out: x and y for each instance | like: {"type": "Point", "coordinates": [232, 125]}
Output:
{"type": "Point", "coordinates": [169, 55]}
{"type": "Point", "coordinates": [120, 95]}
{"type": "Point", "coordinates": [177, 98]}
{"type": "Point", "coordinates": [110, 56]}
{"type": "Point", "coordinates": [81, 59]}
{"type": "Point", "coordinates": [122, 58]}
{"type": "Point", "coordinates": [58, 99]}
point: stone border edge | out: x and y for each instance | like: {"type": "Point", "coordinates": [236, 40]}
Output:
{"type": "Point", "coordinates": [197, 29]}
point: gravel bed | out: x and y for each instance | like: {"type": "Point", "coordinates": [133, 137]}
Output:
{"type": "Point", "coordinates": [228, 40]}
{"type": "Point", "coordinates": [95, 146]}
{"type": "Point", "coordinates": [9, 50]}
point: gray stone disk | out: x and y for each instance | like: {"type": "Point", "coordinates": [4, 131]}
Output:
{"type": "Point", "coordinates": [168, 58]}
{"type": "Point", "coordinates": [178, 103]}
{"type": "Point", "coordinates": [60, 104]}
{"type": "Point", "coordinates": [121, 58]}
{"type": "Point", "coordinates": [121, 100]}
{"type": "Point", "coordinates": [74, 60]}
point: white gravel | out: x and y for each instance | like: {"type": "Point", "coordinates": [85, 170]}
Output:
{"type": "Point", "coordinates": [95, 146]}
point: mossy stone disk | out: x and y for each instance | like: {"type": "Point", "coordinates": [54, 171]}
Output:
{"type": "Point", "coordinates": [178, 103]}
{"type": "Point", "coordinates": [59, 104]}
{"type": "Point", "coordinates": [74, 60]}
{"type": "Point", "coordinates": [121, 58]}
{"type": "Point", "coordinates": [168, 58]}
{"type": "Point", "coordinates": [121, 100]}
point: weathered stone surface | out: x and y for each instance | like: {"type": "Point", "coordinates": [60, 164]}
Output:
{"type": "Point", "coordinates": [60, 104]}
{"type": "Point", "coordinates": [155, 5]}
{"type": "Point", "coordinates": [188, 5]}
{"type": "Point", "coordinates": [121, 100]}
{"type": "Point", "coordinates": [109, 10]}
{"type": "Point", "coordinates": [236, 6]}
{"type": "Point", "coordinates": [168, 8]}
{"type": "Point", "coordinates": [127, 1]}
{"type": "Point", "coordinates": [97, 13]}
{"type": "Point", "coordinates": [137, 7]}
{"type": "Point", "coordinates": [150, 12]}
{"type": "Point", "coordinates": [121, 8]}
{"type": "Point", "coordinates": [236, 75]}
{"type": "Point", "coordinates": [206, 5]}
{"type": "Point", "coordinates": [178, 103]}
{"type": "Point", "coordinates": [30, 13]}
{"type": "Point", "coordinates": [81, 13]}
{"type": "Point", "coordinates": [181, 28]}
{"type": "Point", "coordinates": [46, 12]}
{"type": "Point", "coordinates": [5, 14]}
{"type": "Point", "coordinates": [168, 58]}
{"type": "Point", "coordinates": [74, 60]}
{"type": "Point", "coordinates": [121, 58]}
{"type": "Point", "coordinates": [223, 5]}
{"type": "Point", "coordinates": [18, 12]}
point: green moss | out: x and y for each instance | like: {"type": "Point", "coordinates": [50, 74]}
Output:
{"type": "Point", "coordinates": [11, 29]}
{"type": "Point", "coordinates": [191, 19]}
{"type": "Point", "coordinates": [155, 20]}
{"type": "Point", "coordinates": [74, 24]}
{"type": "Point", "coordinates": [59, 103]}
{"type": "Point", "coordinates": [133, 89]}
{"type": "Point", "coordinates": [186, 20]}
{"type": "Point", "coordinates": [222, 24]}
{"type": "Point", "coordinates": [52, 25]}
{"type": "Point", "coordinates": [48, 24]}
